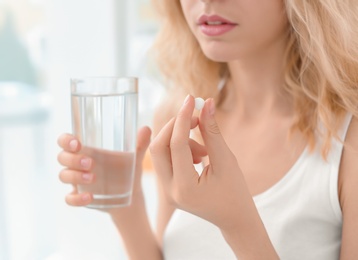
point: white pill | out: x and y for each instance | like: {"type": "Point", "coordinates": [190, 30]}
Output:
{"type": "Point", "coordinates": [199, 103]}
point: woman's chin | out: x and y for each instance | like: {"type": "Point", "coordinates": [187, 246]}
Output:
{"type": "Point", "coordinates": [219, 55]}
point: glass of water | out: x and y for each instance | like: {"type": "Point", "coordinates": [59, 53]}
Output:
{"type": "Point", "coordinates": [104, 119]}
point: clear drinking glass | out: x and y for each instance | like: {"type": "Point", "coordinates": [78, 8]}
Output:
{"type": "Point", "coordinates": [104, 119]}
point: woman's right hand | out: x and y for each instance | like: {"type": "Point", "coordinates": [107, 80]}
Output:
{"type": "Point", "coordinates": [78, 167]}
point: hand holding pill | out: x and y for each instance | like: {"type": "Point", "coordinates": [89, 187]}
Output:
{"type": "Point", "coordinates": [174, 152]}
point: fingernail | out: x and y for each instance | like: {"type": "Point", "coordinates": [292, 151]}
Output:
{"type": "Point", "coordinates": [211, 107]}
{"type": "Point", "coordinates": [85, 197]}
{"type": "Point", "coordinates": [73, 145]}
{"type": "Point", "coordinates": [86, 163]}
{"type": "Point", "coordinates": [186, 100]}
{"type": "Point", "coordinates": [87, 177]}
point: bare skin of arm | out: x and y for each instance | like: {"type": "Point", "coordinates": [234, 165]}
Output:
{"type": "Point", "coordinates": [141, 241]}
{"type": "Point", "coordinates": [348, 192]}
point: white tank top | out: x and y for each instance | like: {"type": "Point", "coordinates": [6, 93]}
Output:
{"type": "Point", "coordinates": [301, 213]}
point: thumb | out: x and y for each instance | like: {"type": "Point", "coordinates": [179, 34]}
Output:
{"type": "Point", "coordinates": [143, 140]}
{"type": "Point", "coordinates": [217, 149]}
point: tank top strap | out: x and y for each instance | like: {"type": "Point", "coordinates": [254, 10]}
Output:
{"type": "Point", "coordinates": [222, 83]}
{"type": "Point", "coordinates": [344, 129]}
{"type": "Point", "coordinates": [334, 159]}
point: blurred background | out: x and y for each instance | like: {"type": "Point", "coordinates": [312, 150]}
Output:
{"type": "Point", "coordinates": [43, 43]}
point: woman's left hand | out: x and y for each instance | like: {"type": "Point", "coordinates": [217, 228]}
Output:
{"type": "Point", "coordinates": [219, 194]}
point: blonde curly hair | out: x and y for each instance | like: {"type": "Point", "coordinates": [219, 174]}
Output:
{"type": "Point", "coordinates": [321, 62]}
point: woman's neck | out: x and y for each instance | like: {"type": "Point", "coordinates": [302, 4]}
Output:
{"type": "Point", "coordinates": [255, 84]}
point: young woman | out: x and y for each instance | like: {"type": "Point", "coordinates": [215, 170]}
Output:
{"type": "Point", "coordinates": [277, 137]}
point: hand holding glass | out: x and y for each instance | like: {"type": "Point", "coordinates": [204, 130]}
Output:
{"type": "Point", "coordinates": [104, 119]}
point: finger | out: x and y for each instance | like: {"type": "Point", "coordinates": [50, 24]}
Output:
{"type": "Point", "coordinates": [82, 199]}
{"type": "Point", "coordinates": [182, 159]}
{"type": "Point", "coordinates": [69, 143]}
{"type": "Point", "coordinates": [160, 152]}
{"type": "Point", "coordinates": [194, 122]}
{"type": "Point", "coordinates": [75, 161]}
{"type": "Point", "coordinates": [198, 151]}
{"type": "Point", "coordinates": [76, 177]}
{"type": "Point", "coordinates": [143, 141]}
{"type": "Point", "coordinates": [216, 147]}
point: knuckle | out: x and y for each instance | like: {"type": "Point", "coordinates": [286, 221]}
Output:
{"type": "Point", "coordinates": [154, 147]}
{"type": "Point", "coordinates": [213, 128]}
{"type": "Point", "coordinates": [60, 157]}
{"type": "Point", "coordinates": [62, 175]}
{"type": "Point", "coordinates": [71, 201]}
{"type": "Point", "coordinates": [74, 199]}
{"type": "Point", "coordinates": [70, 160]}
{"type": "Point", "coordinates": [77, 160]}
{"type": "Point", "coordinates": [63, 139]}
{"type": "Point", "coordinates": [158, 147]}
{"type": "Point", "coordinates": [68, 176]}
{"type": "Point", "coordinates": [74, 160]}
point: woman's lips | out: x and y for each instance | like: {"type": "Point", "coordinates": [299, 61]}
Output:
{"type": "Point", "coordinates": [214, 25]}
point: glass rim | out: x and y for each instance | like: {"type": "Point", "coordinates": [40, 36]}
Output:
{"type": "Point", "coordinates": [102, 77]}
{"type": "Point", "coordinates": [78, 85]}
